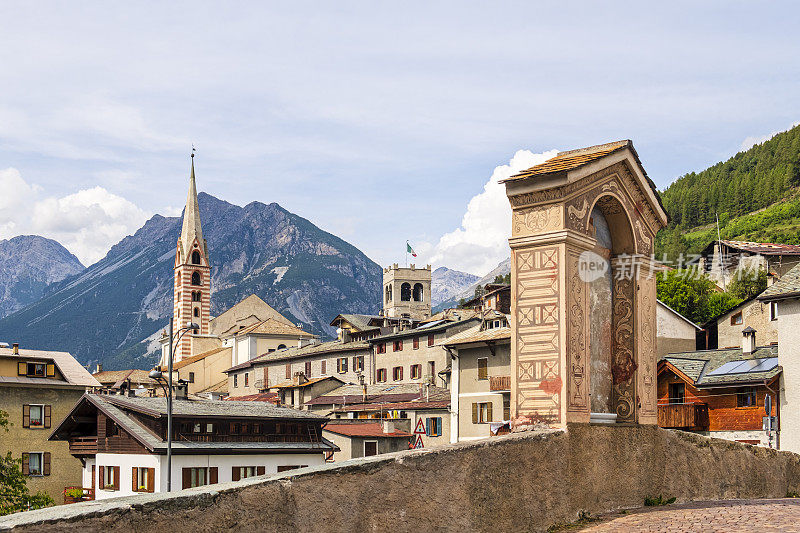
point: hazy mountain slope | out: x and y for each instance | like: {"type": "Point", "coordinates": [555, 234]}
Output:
{"type": "Point", "coordinates": [114, 310]}
{"type": "Point", "coordinates": [446, 283]}
{"type": "Point", "coordinates": [28, 265]}
{"type": "Point", "coordinates": [500, 270]}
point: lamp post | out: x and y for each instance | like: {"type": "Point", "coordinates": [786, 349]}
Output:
{"type": "Point", "coordinates": [158, 376]}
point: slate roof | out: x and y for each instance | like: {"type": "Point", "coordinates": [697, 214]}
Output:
{"type": "Point", "coordinates": [360, 322]}
{"type": "Point", "coordinates": [762, 248]}
{"type": "Point", "coordinates": [698, 365]}
{"type": "Point", "coordinates": [68, 366]}
{"type": "Point", "coordinates": [414, 405]}
{"type": "Point", "coordinates": [380, 393]}
{"type": "Point", "coordinates": [476, 335]}
{"type": "Point", "coordinates": [258, 397]}
{"type": "Point", "coordinates": [424, 329]}
{"type": "Point", "coordinates": [297, 353]}
{"type": "Point", "coordinates": [787, 287]}
{"type": "Point", "coordinates": [204, 408]}
{"type": "Point", "coordinates": [369, 429]}
{"type": "Point", "coordinates": [115, 376]}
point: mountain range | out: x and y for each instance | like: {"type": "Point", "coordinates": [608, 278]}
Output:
{"type": "Point", "coordinates": [446, 283]}
{"type": "Point", "coordinates": [468, 291]}
{"type": "Point", "coordinates": [113, 311]}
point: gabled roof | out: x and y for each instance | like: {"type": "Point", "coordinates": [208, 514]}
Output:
{"type": "Point", "coordinates": [381, 393]}
{"type": "Point", "coordinates": [757, 248]}
{"type": "Point", "coordinates": [250, 306]}
{"type": "Point", "coordinates": [674, 312]}
{"type": "Point", "coordinates": [116, 377]}
{"type": "Point", "coordinates": [193, 359]}
{"type": "Point", "coordinates": [359, 322]}
{"type": "Point", "coordinates": [707, 368]}
{"type": "Point", "coordinates": [787, 287]}
{"type": "Point", "coordinates": [475, 334]}
{"type": "Point", "coordinates": [367, 429]}
{"type": "Point", "coordinates": [68, 366]}
{"type": "Point", "coordinates": [271, 326]}
{"type": "Point", "coordinates": [425, 329]}
{"type": "Point", "coordinates": [305, 351]}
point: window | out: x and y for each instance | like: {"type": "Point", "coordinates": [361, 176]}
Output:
{"type": "Point", "coordinates": [323, 367]}
{"type": "Point", "coordinates": [235, 380]}
{"type": "Point", "coordinates": [191, 377]}
{"type": "Point", "coordinates": [433, 426]}
{"type": "Point", "coordinates": [143, 479]}
{"type": "Point", "coordinates": [506, 406]}
{"type": "Point", "coordinates": [398, 346]}
{"type": "Point", "coordinates": [677, 392]}
{"type": "Point", "coordinates": [736, 319]}
{"type": "Point", "coordinates": [197, 428]}
{"type": "Point", "coordinates": [431, 338]}
{"type": "Point", "coordinates": [405, 292]}
{"type": "Point", "coordinates": [36, 416]}
{"type": "Point", "coordinates": [773, 310]}
{"type": "Point", "coordinates": [416, 371]}
{"type": "Point", "coordinates": [341, 365]}
{"type": "Point", "coordinates": [244, 472]}
{"type": "Point", "coordinates": [36, 464]}
{"type": "Point", "coordinates": [483, 368]}
{"type": "Point", "coordinates": [746, 397]}
{"type": "Point", "coordinates": [196, 280]}
{"type": "Point", "coordinates": [38, 370]}
{"type": "Point", "coordinates": [109, 477]}
{"type": "Point", "coordinates": [418, 292]}
{"type": "Point", "coordinates": [432, 369]}
{"type": "Point", "coordinates": [288, 371]}
{"type": "Point", "coordinates": [370, 448]}
{"type": "Point", "coordinates": [381, 347]}
{"type": "Point", "coordinates": [358, 363]}
{"type": "Point", "coordinates": [195, 257]}
{"type": "Point", "coordinates": [284, 468]}
{"type": "Point", "coordinates": [281, 346]}
{"type": "Point", "coordinates": [307, 369]}
{"type": "Point", "coordinates": [397, 373]}
{"type": "Point", "coordinates": [196, 311]}
{"type": "Point", "coordinates": [197, 477]}
{"type": "Point", "coordinates": [196, 295]}
{"type": "Point", "coordinates": [246, 379]}
{"type": "Point", "coordinates": [482, 413]}
{"type": "Point", "coordinates": [416, 343]}
{"type": "Point", "coordinates": [381, 375]}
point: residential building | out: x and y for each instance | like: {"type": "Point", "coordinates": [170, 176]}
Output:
{"type": "Point", "coordinates": [494, 296]}
{"type": "Point", "coordinates": [37, 389]}
{"type": "Point", "coordinates": [674, 332]}
{"type": "Point", "coordinates": [364, 438]}
{"type": "Point", "coordinates": [123, 380]}
{"type": "Point", "coordinates": [204, 372]}
{"type": "Point", "coordinates": [783, 298]}
{"type": "Point", "coordinates": [122, 442]}
{"type": "Point", "coordinates": [480, 391]}
{"type": "Point", "coordinates": [299, 390]}
{"type": "Point", "coordinates": [720, 393]}
{"type": "Point", "coordinates": [726, 331]}
{"type": "Point", "coordinates": [418, 355]}
{"type": "Point", "coordinates": [407, 292]}
{"type": "Point", "coordinates": [721, 260]}
{"type": "Point", "coordinates": [264, 337]}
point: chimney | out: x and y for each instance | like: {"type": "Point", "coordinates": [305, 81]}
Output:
{"type": "Point", "coordinates": [15, 348]}
{"type": "Point", "coordinates": [99, 368]}
{"type": "Point", "coordinates": [388, 426]}
{"type": "Point", "coordinates": [748, 340]}
{"type": "Point", "coordinates": [181, 389]}
{"type": "Point", "coordinates": [131, 392]}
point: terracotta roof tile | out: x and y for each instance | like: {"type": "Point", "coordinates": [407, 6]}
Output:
{"type": "Point", "coordinates": [271, 326]}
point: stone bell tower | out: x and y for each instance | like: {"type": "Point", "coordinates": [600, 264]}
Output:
{"type": "Point", "coordinates": [192, 289]}
{"type": "Point", "coordinates": [407, 292]}
{"type": "Point", "coordinates": [583, 288]}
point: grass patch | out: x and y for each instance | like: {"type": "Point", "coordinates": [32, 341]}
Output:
{"type": "Point", "coordinates": [657, 501]}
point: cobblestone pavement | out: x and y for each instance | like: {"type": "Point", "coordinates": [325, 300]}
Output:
{"type": "Point", "coordinates": [708, 517]}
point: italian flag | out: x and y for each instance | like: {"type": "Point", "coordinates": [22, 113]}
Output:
{"type": "Point", "coordinates": [410, 250]}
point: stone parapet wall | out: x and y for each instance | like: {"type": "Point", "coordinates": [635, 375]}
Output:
{"type": "Point", "coordinates": [520, 482]}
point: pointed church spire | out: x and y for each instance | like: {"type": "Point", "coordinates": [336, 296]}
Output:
{"type": "Point", "coordinates": [191, 229]}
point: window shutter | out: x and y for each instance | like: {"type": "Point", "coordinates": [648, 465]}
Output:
{"type": "Point", "coordinates": [26, 416]}
{"type": "Point", "coordinates": [474, 413]}
{"type": "Point", "coordinates": [134, 479]}
{"type": "Point", "coordinates": [46, 463]}
{"type": "Point", "coordinates": [236, 473]}
{"type": "Point", "coordinates": [51, 370]}
{"type": "Point", "coordinates": [22, 369]}
{"type": "Point", "coordinates": [213, 475]}
{"type": "Point", "coordinates": [151, 480]}
{"type": "Point", "coordinates": [116, 477]}
{"type": "Point", "coordinates": [187, 478]}
{"type": "Point", "coordinates": [47, 416]}
{"type": "Point", "coordinates": [489, 417]}
{"type": "Point", "coordinates": [102, 477]}
{"type": "Point", "coordinates": [428, 427]}
{"type": "Point", "coordinates": [93, 478]}
{"type": "Point", "coordinates": [261, 470]}
{"type": "Point", "coordinates": [26, 463]}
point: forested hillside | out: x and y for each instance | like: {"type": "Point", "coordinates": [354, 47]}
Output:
{"type": "Point", "coordinates": [754, 193]}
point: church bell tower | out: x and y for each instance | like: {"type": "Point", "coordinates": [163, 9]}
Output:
{"type": "Point", "coordinates": [192, 290]}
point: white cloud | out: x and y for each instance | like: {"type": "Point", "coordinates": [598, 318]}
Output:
{"type": "Point", "coordinates": [87, 222]}
{"type": "Point", "coordinates": [751, 141]}
{"type": "Point", "coordinates": [482, 240]}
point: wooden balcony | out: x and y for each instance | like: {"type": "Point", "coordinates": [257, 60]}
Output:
{"type": "Point", "coordinates": [500, 383]}
{"type": "Point", "coordinates": [683, 416]}
{"type": "Point", "coordinates": [83, 445]}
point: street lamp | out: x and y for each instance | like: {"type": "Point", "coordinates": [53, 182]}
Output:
{"type": "Point", "coordinates": [158, 376]}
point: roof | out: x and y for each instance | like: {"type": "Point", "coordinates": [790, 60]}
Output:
{"type": "Point", "coordinates": [260, 397]}
{"type": "Point", "coordinates": [193, 359]}
{"type": "Point", "coordinates": [709, 368]}
{"type": "Point", "coordinates": [424, 329]}
{"type": "Point", "coordinates": [271, 326]}
{"type": "Point", "coordinates": [787, 287]}
{"type": "Point", "coordinates": [381, 393]}
{"type": "Point", "coordinates": [120, 408]}
{"type": "Point", "coordinates": [191, 228]}
{"type": "Point", "coordinates": [477, 335]}
{"type": "Point", "coordinates": [413, 405]}
{"type": "Point", "coordinates": [451, 314]}
{"type": "Point", "coordinates": [360, 322]}
{"type": "Point", "coordinates": [572, 159]}
{"type": "Point", "coordinates": [68, 366]}
{"type": "Point", "coordinates": [370, 429]}
{"type": "Point", "coordinates": [115, 376]}
{"type": "Point", "coordinates": [308, 383]}
{"type": "Point", "coordinates": [760, 248]}
{"type": "Point", "coordinates": [252, 306]}
{"type": "Point", "coordinates": [679, 315]}
{"type": "Point", "coordinates": [222, 386]}
{"type": "Point", "coordinates": [299, 352]}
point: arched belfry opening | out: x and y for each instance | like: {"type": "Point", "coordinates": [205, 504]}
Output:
{"type": "Point", "coordinates": [196, 258]}
{"type": "Point", "coordinates": [583, 288]}
{"type": "Point", "coordinates": [405, 292]}
{"type": "Point", "coordinates": [418, 292]}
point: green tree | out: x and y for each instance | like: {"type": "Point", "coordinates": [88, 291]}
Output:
{"type": "Point", "coordinates": [14, 493]}
{"type": "Point", "coordinates": [748, 283]}
{"type": "Point", "coordinates": [503, 279]}
{"type": "Point", "coordinates": [695, 297]}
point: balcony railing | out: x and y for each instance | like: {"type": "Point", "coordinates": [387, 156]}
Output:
{"type": "Point", "coordinates": [500, 383]}
{"type": "Point", "coordinates": [83, 445]}
{"type": "Point", "coordinates": [683, 415]}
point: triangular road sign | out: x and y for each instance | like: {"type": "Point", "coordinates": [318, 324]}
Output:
{"type": "Point", "coordinates": [420, 430]}
{"type": "Point", "coordinates": [418, 443]}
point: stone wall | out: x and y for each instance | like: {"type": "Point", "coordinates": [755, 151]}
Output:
{"type": "Point", "coordinates": [520, 482]}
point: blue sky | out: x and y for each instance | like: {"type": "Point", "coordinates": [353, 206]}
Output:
{"type": "Point", "coordinates": [379, 122]}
